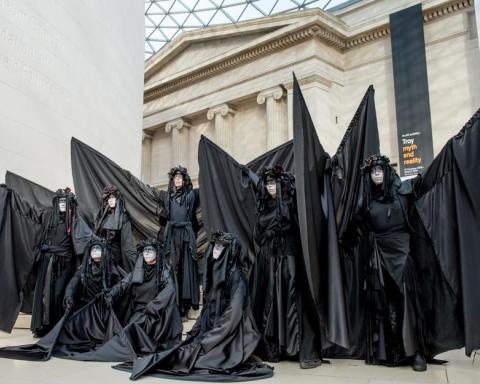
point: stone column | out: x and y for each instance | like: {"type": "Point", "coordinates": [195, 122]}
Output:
{"type": "Point", "coordinates": [223, 120]}
{"type": "Point", "coordinates": [179, 142]}
{"type": "Point", "coordinates": [146, 157]}
{"type": "Point", "coordinates": [277, 124]}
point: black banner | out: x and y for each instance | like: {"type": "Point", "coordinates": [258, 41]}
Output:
{"type": "Point", "coordinates": [414, 127]}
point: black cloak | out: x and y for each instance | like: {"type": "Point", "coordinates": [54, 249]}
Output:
{"type": "Point", "coordinates": [447, 220]}
{"type": "Point", "coordinates": [35, 240]}
{"type": "Point", "coordinates": [87, 321]}
{"type": "Point", "coordinates": [114, 226]}
{"type": "Point", "coordinates": [219, 346]}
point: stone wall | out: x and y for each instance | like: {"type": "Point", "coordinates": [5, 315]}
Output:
{"type": "Point", "coordinates": [69, 68]}
{"type": "Point", "coordinates": [242, 82]}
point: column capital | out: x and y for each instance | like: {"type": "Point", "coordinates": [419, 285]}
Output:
{"type": "Point", "coordinates": [222, 109]}
{"type": "Point", "coordinates": [146, 136]}
{"type": "Point", "coordinates": [177, 124]}
{"type": "Point", "coordinates": [275, 92]}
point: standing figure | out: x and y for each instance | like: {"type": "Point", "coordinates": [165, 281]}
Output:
{"type": "Point", "coordinates": [113, 224]}
{"type": "Point", "coordinates": [279, 302]}
{"type": "Point", "coordinates": [178, 207]}
{"type": "Point", "coordinates": [394, 317]}
{"type": "Point", "coordinates": [60, 254]}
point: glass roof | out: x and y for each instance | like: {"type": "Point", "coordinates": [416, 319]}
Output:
{"type": "Point", "coordinates": [165, 19]}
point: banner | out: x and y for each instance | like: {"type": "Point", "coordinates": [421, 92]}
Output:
{"type": "Point", "coordinates": [412, 104]}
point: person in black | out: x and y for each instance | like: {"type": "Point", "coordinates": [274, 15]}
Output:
{"type": "Point", "coordinates": [153, 318]}
{"type": "Point", "coordinates": [178, 215]}
{"type": "Point", "coordinates": [113, 224]}
{"type": "Point", "coordinates": [394, 317]}
{"type": "Point", "coordinates": [278, 299]}
{"type": "Point", "coordinates": [60, 255]}
{"type": "Point", "coordinates": [220, 345]}
{"type": "Point", "coordinates": [96, 276]}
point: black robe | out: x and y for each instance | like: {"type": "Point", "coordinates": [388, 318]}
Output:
{"type": "Point", "coordinates": [180, 245]}
{"type": "Point", "coordinates": [395, 321]}
{"type": "Point", "coordinates": [114, 226]}
{"type": "Point", "coordinates": [78, 330]}
{"type": "Point", "coordinates": [224, 336]}
{"type": "Point", "coordinates": [38, 256]}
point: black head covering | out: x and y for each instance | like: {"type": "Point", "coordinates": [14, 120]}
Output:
{"type": "Point", "coordinates": [187, 181]}
{"type": "Point", "coordinates": [285, 189]}
{"type": "Point", "coordinates": [231, 259]}
{"type": "Point", "coordinates": [391, 181]}
{"type": "Point", "coordinates": [140, 266]}
{"type": "Point", "coordinates": [69, 213]}
{"type": "Point", "coordinates": [105, 265]}
{"type": "Point", "coordinates": [118, 212]}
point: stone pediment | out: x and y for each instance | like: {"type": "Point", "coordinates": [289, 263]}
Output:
{"type": "Point", "coordinates": [202, 53]}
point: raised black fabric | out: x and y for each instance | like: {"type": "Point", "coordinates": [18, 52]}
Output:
{"type": "Point", "coordinates": [360, 141]}
{"type": "Point", "coordinates": [17, 253]}
{"type": "Point", "coordinates": [448, 203]}
{"type": "Point", "coordinates": [224, 336]}
{"type": "Point", "coordinates": [33, 193]}
{"type": "Point", "coordinates": [283, 155]}
{"type": "Point", "coordinates": [412, 103]}
{"type": "Point", "coordinates": [318, 233]}
{"type": "Point", "coordinates": [92, 171]}
{"type": "Point", "coordinates": [227, 194]}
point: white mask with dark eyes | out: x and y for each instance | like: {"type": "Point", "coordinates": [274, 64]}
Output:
{"type": "Point", "coordinates": [149, 254]}
{"type": "Point", "coordinates": [377, 175]}
{"type": "Point", "coordinates": [96, 253]}
{"type": "Point", "coordinates": [217, 250]}
{"type": "Point", "coordinates": [62, 204]}
{"type": "Point", "coordinates": [272, 188]}
{"type": "Point", "coordinates": [112, 201]}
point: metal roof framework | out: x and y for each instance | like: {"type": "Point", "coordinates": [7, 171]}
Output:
{"type": "Point", "coordinates": [165, 19]}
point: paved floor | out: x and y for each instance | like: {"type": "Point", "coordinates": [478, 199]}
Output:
{"type": "Point", "coordinates": [459, 370]}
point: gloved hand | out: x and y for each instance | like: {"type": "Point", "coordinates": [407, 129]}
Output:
{"type": "Point", "coordinates": [67, 302]}
{"type": "Point", "coordinates": [150, 309]}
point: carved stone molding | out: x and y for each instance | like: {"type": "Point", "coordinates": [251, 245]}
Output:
{"type": "Point", "coordinates": [146, 136]}
{"type": "Point", "coordinates": [276, 93]}
{"type": "Point", "coordinates": [177, 124]}
{"type": "Point", "coordinates": [332, 38]}
{"type": "Point", "coordinates": [222, 109]}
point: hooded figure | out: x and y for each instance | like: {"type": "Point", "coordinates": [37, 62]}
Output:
{"type": "Point", "coordinates": [395, 329]}
{"type": "Point", "coordinates": [277, 296]}
{"type": "Point", "coordinates": [154, 322]}
{"type": "Point", "coordinates": [221, 342]}
{"type": "Point", "coordinates": [177, 214]}
{"type": "Point", "coordinates": [77, 331]}
{"type": "Point", "coordinates": [113, 224]}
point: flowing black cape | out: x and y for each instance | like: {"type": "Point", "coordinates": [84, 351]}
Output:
{"type": "Point", "coordinates": [360, 141]}
{"type": "Point", "coordinates": [317, 226]}
{"type": "Point", "coordinates": [93, 171]}
{"type": "Point", "coordinates": [447, 201]}
{"type": "Point", "coordinates": [35, 194]}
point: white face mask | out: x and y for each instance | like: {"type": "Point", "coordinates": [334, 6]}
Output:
{"type": "Point", "coordinates": [149, 255]}
{"type": "Point", "coordinates": [376, 175]}
{"type": "Point", "coordinates": [272, 188]}
{"type": "Point", "coordinates": [217, 250]}
{"type": "Point", "coordinates": [112, 201]}
{"type": "Point", "coordinates": [178, 181]}
{"type": "Point", "coordinates": [96, 253]}
{"type": "Point", "coordinates": [62, 204]}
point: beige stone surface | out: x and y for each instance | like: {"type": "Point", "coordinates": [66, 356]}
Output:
{"type": "Point", "coordinates": [459, 370]}
{"type": "Point", "coordinates": [69, 68]}
{"type": "Point", "coordinates": [335, 57]}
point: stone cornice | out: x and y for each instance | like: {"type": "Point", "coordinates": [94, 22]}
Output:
{"type": "Point", "coordinates": [326, 33]}
{"type": "Point", "coordinates": [429, 15]}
